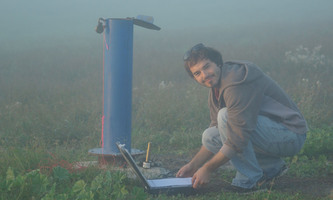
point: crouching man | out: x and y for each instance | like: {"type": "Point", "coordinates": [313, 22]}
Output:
{"type": "Point", "coordinates": [253, 122]}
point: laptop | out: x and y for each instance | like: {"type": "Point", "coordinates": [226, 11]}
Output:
{"type": "Point", "coordinates": [167, 186]}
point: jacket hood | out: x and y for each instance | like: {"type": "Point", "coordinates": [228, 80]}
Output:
{"type": "Point", "coordinates": [237, 72]}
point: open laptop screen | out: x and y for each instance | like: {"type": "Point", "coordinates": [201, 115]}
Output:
{"type": "Point", "coordinates": [131, 162]}
{"type": "Point", "coordinates": [154, 183]}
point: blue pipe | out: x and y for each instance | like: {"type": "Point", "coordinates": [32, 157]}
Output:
{"type": "Point", "coordinates": [118, 62]}
{"type": "Point", "coordinates": [118, 68]}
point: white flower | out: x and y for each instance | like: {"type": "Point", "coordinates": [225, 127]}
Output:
{"type": "Point", "coordinates": [302, 55]}
{"type": "Point", "coordinates": [305, 80]}
{"type": "Point", "coordinates": [161, 85]}
{"type": "Point", "coordinates": [164, 85]}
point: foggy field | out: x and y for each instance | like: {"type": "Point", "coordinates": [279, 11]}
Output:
{"type": "Point", "coordinates": [51, 91]}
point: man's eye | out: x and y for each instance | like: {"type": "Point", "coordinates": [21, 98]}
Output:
{"type": "Point", "coordinates": [196, 74]}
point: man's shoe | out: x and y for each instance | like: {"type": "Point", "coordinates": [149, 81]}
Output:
{"type": "Point", "coordinates": [284, 169]}
{"type": "Point", "coordinates": [261, 186]}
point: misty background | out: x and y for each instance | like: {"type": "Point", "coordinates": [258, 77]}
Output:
{"type": "Point", "coordinates": [31, 21]}
{"type": "Point", "coordinates": [61, 24]}
{"type": "Point", "coordinates": [51, 62]}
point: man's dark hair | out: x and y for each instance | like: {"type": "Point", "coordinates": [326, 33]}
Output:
{"type": "Point", "coordinates": [200, 52]}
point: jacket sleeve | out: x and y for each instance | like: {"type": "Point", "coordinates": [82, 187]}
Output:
{"type": "Point", "coordinates": [243, 104]}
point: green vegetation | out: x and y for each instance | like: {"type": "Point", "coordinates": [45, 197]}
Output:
{"type": "Point", "coordinates": [51, 105]}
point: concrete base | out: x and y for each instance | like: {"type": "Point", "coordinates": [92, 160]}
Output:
{"type": "Point", "coordinates": [112, 158]}
{"type": "Point", "coordinates": [152, 173]}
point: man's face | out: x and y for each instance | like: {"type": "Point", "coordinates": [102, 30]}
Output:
{"type": "Point", "coordinates": [207, 73]}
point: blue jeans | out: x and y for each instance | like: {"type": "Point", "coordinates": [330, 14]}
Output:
{"type": "Point", "coordinates": [262, 155]}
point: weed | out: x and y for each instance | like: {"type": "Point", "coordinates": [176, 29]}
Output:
{"type": "Point", "coordinates": [318, 142]}
{"type": "Point", "coordinates": [302, 166]}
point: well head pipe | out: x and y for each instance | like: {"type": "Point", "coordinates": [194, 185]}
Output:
{"type": "Point", "coordinates": [117, 81]}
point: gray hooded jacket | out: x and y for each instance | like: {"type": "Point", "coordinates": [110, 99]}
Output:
{"type": "Point", "coordinates": [247, 92]}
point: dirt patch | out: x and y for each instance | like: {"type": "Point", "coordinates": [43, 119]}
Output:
{"type": "Point", "coordinates": [315, 187]}
{"type": "Point", "coordinates": [312, 187]}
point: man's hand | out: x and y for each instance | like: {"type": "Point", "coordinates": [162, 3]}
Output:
{"type": "Point", "coordinates": [201, 177]}
{"type": "Point", "coordinates": [199, 159]}
{"type": "Point", "coordinates": [186, 171]}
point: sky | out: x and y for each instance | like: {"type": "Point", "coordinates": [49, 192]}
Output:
{"type": "Point", "coordinates": [23, 20]}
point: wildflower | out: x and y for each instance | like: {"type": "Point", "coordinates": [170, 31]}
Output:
{"type": "Point", "coordinates": [305, 80]}
{"type": "Point", "coordinates": [302, 55]}
{"type": "Point", "coordinates": [164, 85]}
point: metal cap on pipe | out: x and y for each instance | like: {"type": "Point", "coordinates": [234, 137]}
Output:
{"type": "Point", "coordinates": [141, 20]}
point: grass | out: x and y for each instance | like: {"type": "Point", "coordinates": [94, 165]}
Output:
{"type": "Point", "coordinates": [51, 105]}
